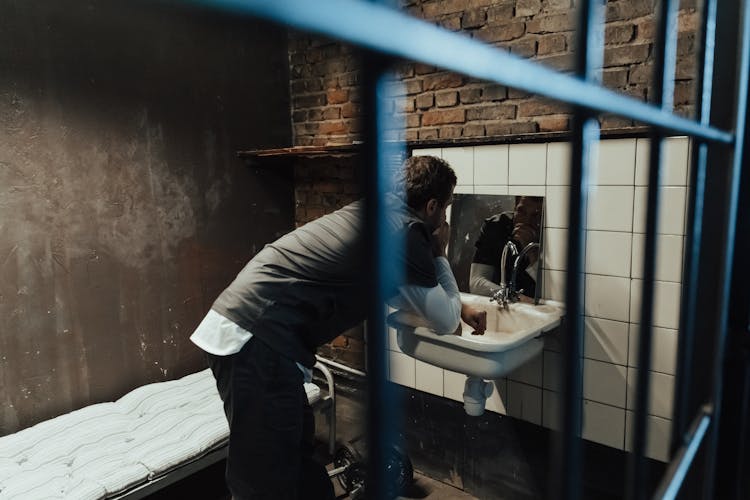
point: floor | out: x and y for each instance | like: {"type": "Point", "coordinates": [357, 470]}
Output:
{"type": "Point", "coordinates": [209, 483]}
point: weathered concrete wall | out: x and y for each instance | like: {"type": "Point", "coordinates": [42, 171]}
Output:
{"type": "Point", "coordinates": [123, 208]}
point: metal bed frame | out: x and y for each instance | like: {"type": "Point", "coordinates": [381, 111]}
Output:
{"type": "Point", "coordinates": [706, 453]}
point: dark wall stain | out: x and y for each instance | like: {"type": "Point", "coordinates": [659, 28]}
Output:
{"type": "Point", "coordinates": [123, 208]}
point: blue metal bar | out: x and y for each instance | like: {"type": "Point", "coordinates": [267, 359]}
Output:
{"type": "Point", "coordinates": [663, 83]}
{"type": "Point", "coordinates": [691, 268]}
{"type": "Point", "coordinates": [728, 242]}
{"type": "Point", "coordinates": [381, 247]}
{"type": "Point", "coordinates": [589, 55]}
{"type": "Point", "coordinates": [683, 457]}
{"type": "Point", "coordinates": [361, 23]}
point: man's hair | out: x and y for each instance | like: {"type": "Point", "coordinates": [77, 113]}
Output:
{"type": "Point", "coordinates": [425, 178]}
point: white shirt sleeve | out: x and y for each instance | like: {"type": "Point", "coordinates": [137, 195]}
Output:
{"type": "Point", "coordinates": [439, 305]}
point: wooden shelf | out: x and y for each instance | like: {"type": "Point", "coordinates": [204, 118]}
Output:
{"type": "Point", "coordinates": [302, 152]}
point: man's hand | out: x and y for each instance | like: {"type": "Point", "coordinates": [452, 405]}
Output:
{"type": "Point", "coordinates": [474, 318]}
{"type": "Point", "coordinates": [440, 240]}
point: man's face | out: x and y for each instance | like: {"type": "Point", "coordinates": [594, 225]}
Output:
{"type": "Point", "coordinates": [527, 219]}
{"type": "Point", "coordinates": [435, 213]}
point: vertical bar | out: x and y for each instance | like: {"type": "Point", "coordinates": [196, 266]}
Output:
{"type": "Point", "coordinates": [690, 273]}
{"type": "Point", "coordinates": [379, 410]}
{"type": "Point", "coordinates": [734, 176]}
{"type": "Point", "coordinates": [663, 85]}
{"type": "Point", "coordinates": [589, 54]}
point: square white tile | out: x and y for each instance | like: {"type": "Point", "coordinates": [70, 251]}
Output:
{"type": "Point", "coordinates": [490, 189]}
{"type": "Point", "coordinates": [658, 434]}
{"type": "Point", "coordinates": [556, 206]}
{"type": "Point", "coordinates": [663, 348]}
{"type": "Point", "coordinates": [671, 210]}
{"type": "Point", "coordinates": [558, 163]}
{"type": "Point", "coordinates": [610, 208]}
{"type": "Point", "coordinates": [606, 340]}
{"type": "Point", "coordinates": [552, 371]}
{"type": "Point", "coordinates": [555, 248]}
{"type": "Point", "coordinates": [464, 189]}
{"type": "Point", "coordinates": [524, 402]}
{"type": "Point", "coordinates": [607, 297]}
{"type": "Point", "coordinates": [527, 164]}
{"type": "Point", "coordinates": [462, 161]}
{"type": "Point", "coordinates": [604, 382]}
{"type": "Point", "coordinates": [604, 424]}
{"type": "Point", "coordinates": [669, 256]}
{"type": "Point", "coordinates": [429, 378]}
{"type": "Point", "coordinates": [551, 411]}
{"type": "Point", "coordinates": [666, 312]}
{"type": "Point", "coordinates": [453, 385]}
{"type": "Point", "coordinates": [518, 190]}
{"type": "Point", "coordinates": [491, 164]}
{"type": "Point", "coordinates": [497, 400]}
{"type": "Point", "coordinates": [529, 373]}
{"type": "Point", "coordinates": [402, 369]}
{"type": "Point", "coordinates": [554, 284]}
{"type": "Point", "coordinates": [674, 164]}
{"type": "Point", "coordinates": [615, 163]}
{"type": "Point", "coordinates": [608, 252]}
{"type": "Point", "coordinates": [661, 394]}
{"type": "Point", "coordinates": [428, 152]}
{"type": "Point", "coordinates": [392, 342]}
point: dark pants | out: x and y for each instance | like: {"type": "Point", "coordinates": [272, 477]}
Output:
{"type": "Point", "coordinates": [271, 427]}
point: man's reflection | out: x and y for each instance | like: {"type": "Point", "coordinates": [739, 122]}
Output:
{"type": "Point", "coordinates": [521, 227]}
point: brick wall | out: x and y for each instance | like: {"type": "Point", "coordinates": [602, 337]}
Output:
{"type": "Point", "coordinates": [441, 105]}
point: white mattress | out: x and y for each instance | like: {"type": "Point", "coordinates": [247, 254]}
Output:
{"type": "Point", "coordinates": [104, 449]}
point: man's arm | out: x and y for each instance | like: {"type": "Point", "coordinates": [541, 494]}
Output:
{"type": "Point", "coordinates": [480, 279]}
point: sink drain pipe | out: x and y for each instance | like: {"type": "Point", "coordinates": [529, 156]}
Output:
{"type": "Point", "coordinates": [476, 392]}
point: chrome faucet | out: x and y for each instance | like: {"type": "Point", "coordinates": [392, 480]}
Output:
{"type": "Point", "coordinates": [502, 294]}
{"type": "Point", "coordinates": [507, 291]}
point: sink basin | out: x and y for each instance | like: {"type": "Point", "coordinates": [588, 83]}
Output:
{"type": "Point", "coordinates": [511, 339]}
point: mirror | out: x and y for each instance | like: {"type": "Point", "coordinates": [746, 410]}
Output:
{"type": "Point", "coordinates": [481, 225]}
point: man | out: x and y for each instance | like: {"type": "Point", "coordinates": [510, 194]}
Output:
{"type": "Point", "coordinates": [300, 292]}
{"type": "Point", "coordinates": [521, 227]}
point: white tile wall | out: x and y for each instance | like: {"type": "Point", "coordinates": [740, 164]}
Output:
{"type": "Point", "coordinates": [613, 283]}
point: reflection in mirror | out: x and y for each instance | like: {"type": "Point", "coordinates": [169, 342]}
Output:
{"type": "Point", "coordinates": [484, 228]}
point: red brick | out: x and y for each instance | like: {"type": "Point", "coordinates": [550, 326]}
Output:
{"type": "Point", "coordinates": [685, 68]}
{"type": "Point", "coordinates": [492, 112]}
{"type": "Point", "coordinates": [554, 23]}
{"type": "Point", "coordinates": [613, 122]}
{"type": "Point", "coordinates": [470, 96]}
{"type": "Point", "coordinates": [429, 133]}
{"type": "Point", "coordinates": [424, 69]}
{"type": "Point", "coordinates": [425, 101]}
{"type": "Point", "coordinates": [473, 130]}
{"type": "Point", "coordinates": [412, 121]}
{"type": "Point", "coordinates": [474, 19]}
{"type": "Point", "coordinates": [337, 96]}
{"type": "Point", "coordinates": [686, 44]}
{"type": "Point", "coordinates": [615, 78]}
{"type": "Point", "coordinates": [523, 48]}
{"type": "Point", "coordinates": [501, 32]}
{"type": "Point", "coordinates": [562, 62]}
{"type": "Point", "coordinates": [443, 116]}
{"type": "Point", "coordinates": [501, 13]}
{"type": "Point", "coordinates": [551, 44]}
{"type": "Point", "coordinates": [627, 54]}
{"type": "Point", "coordinates": [618, 34]}
{"type": "Point", "coordinates": [621, 10]}
{"type": "Point", "coordinates": [442, 81]}
{"type": "Point", "coordinates": [309, 101]}
{"type": "Point", "coordinates": [683, 92]}
{"type": "Point", "coordinates": [688, 21]}
{"type": "Point", "coordinates": [553, 5]}
{"type": "Point", "coordinates": [407, 105]}
{"type": "Point", "coordinates": [446, 99]}
{"type": "Point", "coordinates": [526, 8]}
{"type": "Point", "coordinates": [332, 113]}
{"type": "Point", "coordinates": [494, 92]}
{"type": "Point", "coordinates": [641, 73]}
{"type": "Point", "coordinates": [299, 116]}
{"type": "Point", "coordinates": [537, 107]}
{"type": "Point", "coordinates": [450, 132]}
{"type": "Point", "coordinates": [414, 87]}
{"type": "Point", "coordinates": [452, 23]}
{"type": "Point", "coordinates": [437, 8]}
{"type": "Point", "coordinates": [331, 128]}
{"type": "Point", "coordinates": [554, 123]}
{"type": "Point", "coordinates": [351, 110]}
{"type": "Point", "coordinates": [645, 29]}
{"type": "Point", "coordinates": [411, 135]}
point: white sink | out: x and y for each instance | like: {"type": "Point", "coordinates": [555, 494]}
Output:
{"type": "Point", "coordinates": [511, 339]}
